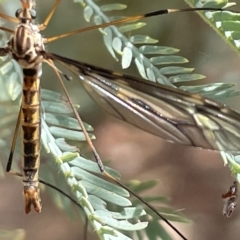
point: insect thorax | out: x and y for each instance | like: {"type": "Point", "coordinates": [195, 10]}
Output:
{"type": "Point", "coordinates": [26, 46]}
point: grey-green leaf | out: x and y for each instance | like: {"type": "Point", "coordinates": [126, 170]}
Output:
{"type": "Point", "coordinates": [215, 4]}
{"type": "Point", "coordinates": [104, 194]}
{"type": "Point", "coordinates": [231, 25]}
{"type": "Point", "coordinates": [175, 70]}
{"type": "Point", "coordinates": [84, 175]}
{"type": "Point", "coordinates": [93, 167]}
{"type": "Point", "coordinates": [142, 39]}
{"type": "Point", "coordinates": [69, 134]}
{"type": "Point", "coordinates": [123, 225]}
{"type": "Point", "coordinates": [126, 57]}
{"type": "Point", "coordinates": [168, 60]}
{"type": "Point", "coordinates": [56, 107]}
{"type": "Point", "coordinates": [113, 7]}
{"type": "Point", "coordinates": [117, 45]}
{"type": "Point", "coordinates": [87, 13]}
{"type": "Point", "coordinates": [185, 78]}
{"type": "Point", "coordinates": [131, 27]}
{"type": "Point", "coordinates": [65, 121]}
{"type": "Point", "coordinates": [157, 50]}
{"type": "Point", "coordinates": [108, 38]}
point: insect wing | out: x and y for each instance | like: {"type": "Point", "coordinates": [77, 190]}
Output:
{"type": "Point", "coordinates": [169, 113]}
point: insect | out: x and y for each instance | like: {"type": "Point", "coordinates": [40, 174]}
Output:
{"type": "Point", "coordinates": [137, 101]}
{"type": "Point", "coordinates": [229, 199]}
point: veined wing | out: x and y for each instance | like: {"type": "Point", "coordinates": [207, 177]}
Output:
{"type": "Point", "coordinates": [169, 113]}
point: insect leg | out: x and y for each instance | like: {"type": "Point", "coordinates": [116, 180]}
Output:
{"type": "Point", "coordinates": [12, 19]}
{"type": "Point", "coordinates": [48, 18]}
{"type": "Point", "coordinates": [9, 162]}
{"type": "Point", "coordinates": [7, 30]}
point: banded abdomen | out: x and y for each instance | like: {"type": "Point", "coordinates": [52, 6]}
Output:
{"type": "Point", "coordinates": [30, 122]}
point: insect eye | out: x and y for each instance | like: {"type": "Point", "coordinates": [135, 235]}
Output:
{"type": "Point", "coordinates": [18, 12]}
{"type": "Point", "coordinates": [33, 14]}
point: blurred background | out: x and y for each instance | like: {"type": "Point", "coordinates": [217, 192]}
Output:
{"type": "Point", "coordinates": [193, 178]}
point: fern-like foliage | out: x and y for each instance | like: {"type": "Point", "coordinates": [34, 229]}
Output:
{"type": "Point", "coordinates": [164, 66]}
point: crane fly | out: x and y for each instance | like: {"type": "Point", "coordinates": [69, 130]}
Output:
{"type": "Point", "coordinates": [171, 114]}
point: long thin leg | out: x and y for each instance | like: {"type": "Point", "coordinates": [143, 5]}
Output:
{"type": "Point", "coordinates": [98, 159]}
{"type": "Point", "coordinates": [12, 19]}
{"type": "Point", "coordinates": [48, 18]}
{"type": "Point", "coordinates": [129, 19]}
{"type": "Point", "coordinates": [89, 141]}
{"type": "Point", "coordinates": [10, 158]}
{"type": "Point", "coordinates": [7, 30]}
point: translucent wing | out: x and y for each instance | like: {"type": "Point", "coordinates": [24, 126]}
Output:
{"type": "Point", "coordinates": [169, 113]}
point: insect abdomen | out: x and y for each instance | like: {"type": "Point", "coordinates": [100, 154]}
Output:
{"type": "Point", "coordinates": [30, 122]}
